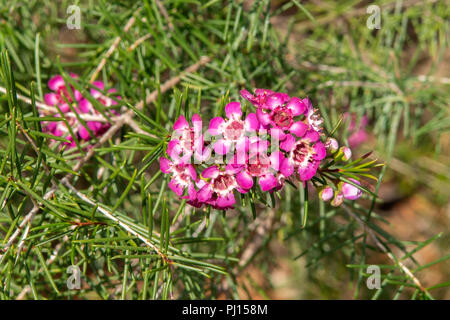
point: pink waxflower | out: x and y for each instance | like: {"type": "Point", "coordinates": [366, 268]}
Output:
{"type": "Point", "coordinates": [182, 175]}
{"type": "Point", "coordinates": [277, 111]}
{"type": "Point", "coordinates": [233, 129]}
{"type": "Point", "coordinates": [304, 156]}
{"type": "Point", "coordinates": [349, 191]}
{"type": "Point", "coordinates": [258, 165]}
{"type": "Point", "coordinates": [62, 99]}
{"type": "Point", "coordinates": [260, 97]}
{"type": "Point", "coordinates": [358, 134]}
{"type": "Point", "coordinates": [97, 127]}
{"type": "Point", "coordinates": [61, 96]}
{"type": "Point", "coordinates": [218, 190]}
{"type": "Point", "coordinates": [187, 141]}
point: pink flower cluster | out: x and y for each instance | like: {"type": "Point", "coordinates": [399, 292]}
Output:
{"type": "Point", "coordinates": [280, 141]}
{"type": "Point", "coordinates": [61, 99]}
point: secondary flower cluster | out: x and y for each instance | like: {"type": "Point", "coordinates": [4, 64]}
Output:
{"type": "Point", "coordinates": [281, 140]}
{"type": "Point", "coordinates": [71, 102]}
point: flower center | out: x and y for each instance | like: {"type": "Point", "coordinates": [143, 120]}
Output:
{"type": "Point", "coordinates": [258, 165]}
{"type": "Point", "coordinates": [223, 183]}
{"type": "Point", "coordinates": [234, 130]}
{"type": "Point", "coordinates": [181, 174]}
{"type": "Point", "coordinates": [302, 154]}
{"type": "Point", "coordinates": [187, 139]}
{"type": "Point", "coordinates": [282, 117]}
{"type": "Point", "coordinates": [315, 120]}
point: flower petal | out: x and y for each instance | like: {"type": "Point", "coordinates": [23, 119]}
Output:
{"type": "Point", "coordinates": [214, 125]}
{"type": "Point", "coordinates": [85, 106]}
{"type": "Point", "coordinates": [244, 180]}
{"type": "Point", "coordinates": [298, 128]}
{"type": "Point", "coordinates": [276, 100]}
{"type": "Point", "coordinates": [222, 146]}
{"type": "Point", "coordinates": [180, 124]}
{"type": "Point", "coordinates": [268, 182]}
{"type": "Point", "coordinates": [51, 98]}
{"type": "Point", "coordinates": [210, 172]}
{"type": "Point", "coordinates": [312, 136]}
{"type": "Point", "coordinates": [233, 110]}
{"type": "Point", "coordinates": [175, 187]}
{"type": "Point", "coordinates": [56, 83]}
{"type": "Point", "coordinates": [84, 134]}
{"type": "Point", "coordinates": [225, 202]}
{"type": "Point", "coordinates": [263, 117]}
{"type": "Point", "coordinates": [320, 151]}
{"type": "Point", "coordinates": [286, 168]}
{"type": "Point", "coordinates": [251, 122]}
{"type": "Point", "coordinates": [296, 106]}
{"type": "Point", "coordinates": [164, 165]}
{"type": "Point", "coordinates": [276, 159]}
{"type": "Point", "coordinates": [308, 172]}
{"type": "Point", "coordinates": [205, 193]}
{"type": "Point", "coordinates": [288, 143]}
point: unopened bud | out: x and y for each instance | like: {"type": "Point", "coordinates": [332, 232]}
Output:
{"type": "Point", "coordinates": [347, 153]}
{"type": "Point", "coordinates": [337, 200]}
{"type": "Point", "coordinates": [332, 145]}
{"type": "Point", "coordinates": [326, 194]}
{"type": "Point", "coordinates": [349, 191]}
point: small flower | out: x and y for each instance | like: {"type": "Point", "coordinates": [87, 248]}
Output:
{"type": "Point", "coordinates": [188, 141]}
{"type": "Point", "coordinates": [61, 96]}
{"type": "Point", "coordinates": [326, 193]}
{"type": "Point", "coordinates": [218, 191]}
{"type": "Point", "coordinates": [62, 99]}
{"type": "Point", "coordinates": [358, 134]}
{"type": "Point", "coordinates": [304, 155]}
{"type": "Point", "coordinates": [260, 97]}
{"type": "Point", "coordinates": [183, 177]}
{"type": "Point", "coordinates": [233, 129]}
{"type": "Point", "coordinates": [97, 127]}
{"type": "Point", "coordinates": [281, 115]}
{"type": "Point", "coordinates": [349, 191]}
{"type": "Point", "coordinates": [262, 167]}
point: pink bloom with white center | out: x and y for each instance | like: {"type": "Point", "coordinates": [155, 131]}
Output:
{"type": "Point", "coordinates": [233, 129]}
{"type": "Point", "coordinates": [261, 166]}
{"type": "Point", "coordinates": [349, 191]}
{"type": "Point", "coordinates": [277, 111]}
{"type": "Point", "coordinates": [183, 177]}
{"type": "Point", "coordinates": [218, 191]}
{"type": "Point", "coordinates": [304, 156]}
{"type": "Point", "coordinates": [260, 97]}
{"type": "Point", "coordinates": [187, 141]}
